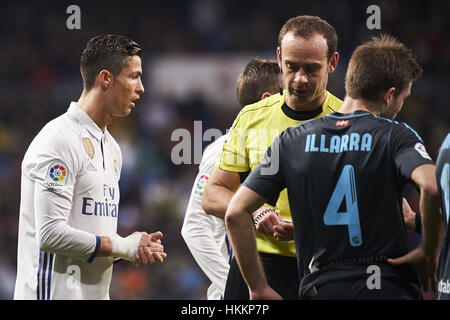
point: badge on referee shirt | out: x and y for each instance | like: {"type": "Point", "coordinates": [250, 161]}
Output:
{"type": "Point", "coordinates": [88, 147]}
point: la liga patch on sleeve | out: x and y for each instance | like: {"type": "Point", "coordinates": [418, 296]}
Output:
{"type": "Point", "coordinates": [420, 148]}
{"type": "Point", "coordinates": [201, 184]}
{"type": "Point", "coordinates": [57, 174]}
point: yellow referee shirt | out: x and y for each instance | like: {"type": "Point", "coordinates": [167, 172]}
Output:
{"type": "Point", "coordinates": [253, 131]}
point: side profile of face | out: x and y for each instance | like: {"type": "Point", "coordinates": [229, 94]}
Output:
{"type": "Point", "coordinates": [393, 106]}
{"type": "Point", "coordinates": [125, 88]}
{"type": "Point", "coordinates": [305, 68]}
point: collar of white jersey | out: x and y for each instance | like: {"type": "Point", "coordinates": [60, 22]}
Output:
{"type": "Point", "coordinates": [79, 115]}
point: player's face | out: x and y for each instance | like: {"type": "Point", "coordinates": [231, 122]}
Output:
{"type": "Point", "coordinates": [126, 88]}
{"type": "Point", "coordinates": [397, 103]}
{"type": "Point", "coordinates": [305, 67]}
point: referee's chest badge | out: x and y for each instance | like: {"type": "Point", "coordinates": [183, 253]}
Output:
{"type": "Point", "coordinates": [88, 147]}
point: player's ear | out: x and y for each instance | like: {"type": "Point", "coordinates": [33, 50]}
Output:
{"type": "Point", "coordinates": [279, 57]}
{"type": "Point", "coordinates": [281, 69]}
{"type": "Point", "coordinates": [105, 79]}
{"type": "Point", "coordinates": [265, 95]}
{"type": "Point", "coordinates": [388, 96]}
{"type": "Point", "coordinates": [332, 65]}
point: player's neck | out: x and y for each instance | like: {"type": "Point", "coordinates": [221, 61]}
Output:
{"type": "Point", "coordinates": [92, 104]}
{"type": "Point", "coordinates": [351, 105]}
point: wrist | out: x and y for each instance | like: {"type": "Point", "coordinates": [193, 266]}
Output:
{"type": "Point", "coordinates": [125, 248]}
{"type": "Point", "coordinates": [257, 217]}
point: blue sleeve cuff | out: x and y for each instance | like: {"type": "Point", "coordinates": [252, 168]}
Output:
{"type": "Point", "coordinates": [97, 247]}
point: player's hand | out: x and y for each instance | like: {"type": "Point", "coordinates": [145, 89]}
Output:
{"type": "Point", "coordinates": [409, 216]}
{"type": "Point", "coordinates": [265, 219]}
{"type": "Point", "coordinates": [264, 293]}
{"type": "Point", "coordinates": [150, 249]}
{"type": "Point", "coordinates": [284, 231]}
{"type": "Point", "coordinates": [425, 265]}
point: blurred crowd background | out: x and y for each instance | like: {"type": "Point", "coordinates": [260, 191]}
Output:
{"type": "Point", "coordinates": [39, 76]}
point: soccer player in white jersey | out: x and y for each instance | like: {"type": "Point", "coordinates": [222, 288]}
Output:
{"type": "Point", "coordinates": [70, 194]}
{"type": "Point", "coordinates": [205, 235]}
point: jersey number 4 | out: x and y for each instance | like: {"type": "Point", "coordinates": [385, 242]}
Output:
{"type": "Point", "coordinates": [345, 189]}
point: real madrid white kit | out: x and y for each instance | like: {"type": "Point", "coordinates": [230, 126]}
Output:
{"type": "Point", "coordinates": [205, 235]}
{"type": "Point", "coordinates": [69, 198]}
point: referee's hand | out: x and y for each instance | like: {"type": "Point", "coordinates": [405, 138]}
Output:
{"type": "Point", "coordinates": [284, 231]}
{"type": "Point", "coordinates": [265, 218]}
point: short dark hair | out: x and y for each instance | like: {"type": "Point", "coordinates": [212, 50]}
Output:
{"type": "Point", "coordinates": [259, 76]}
{"type": "Point", "coordinates": [306, 26]}
{"type": "Point", "coordinates": [380, 64]}
{"type": "Point", "coordinates": [108, 52]}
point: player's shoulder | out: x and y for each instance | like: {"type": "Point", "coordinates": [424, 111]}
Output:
{"type": "Point", "coordinates": [443, 154]}
{"type": "Point", "coordinates": [59, 133]}
{"type": "Point", "coordinates": [398, 127]}
{"type": "Point", "coordinates": [215, 146]}
{"type": "Point", "coordinates": [258, 113]}
{"type": "Point", "coordinates": [333, 102]}
{"type": "Point", "coordinates": [262, 106]}
{"type": "Point", "coordinates": [56, 140]}
{"type": "Point", "coordinates": [446, 143]}
{"type": "Point", "coordinates": [212, 151]}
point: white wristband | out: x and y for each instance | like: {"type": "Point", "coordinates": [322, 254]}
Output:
{"type": "Point", "coordinates": [126, 248]}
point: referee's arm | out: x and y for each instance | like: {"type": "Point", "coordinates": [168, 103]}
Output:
{"type": "Point", "coordinates": [219, 190]}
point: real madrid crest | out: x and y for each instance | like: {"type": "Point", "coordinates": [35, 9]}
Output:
{"type": "Point", "coordinates": [88, 147]}
{"type": "Point", "coordinates": [116, 168]}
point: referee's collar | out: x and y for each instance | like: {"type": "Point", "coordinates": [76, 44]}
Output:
{"type": "Point", "coordinates": [305, 115]}
{"type": "Point", "coordinates": [79, 115]}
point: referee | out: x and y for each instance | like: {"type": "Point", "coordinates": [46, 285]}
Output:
{"type": "Point", "coordinates": [306, 55]}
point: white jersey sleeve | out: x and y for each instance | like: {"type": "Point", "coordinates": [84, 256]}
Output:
{"type": "Point", "coordinates": [53, 165]}
{"type": "Point", "coordinates": [205, 235]}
